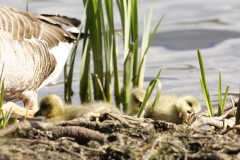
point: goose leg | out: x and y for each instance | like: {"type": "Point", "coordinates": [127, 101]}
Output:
{"type": "Point", "coordinates": [29, 99]}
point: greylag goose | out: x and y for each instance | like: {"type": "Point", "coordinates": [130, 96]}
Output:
{"type": "Point", "coordinates": [169, 108]}
{"type": "Point", "coordinates": [53, 109]}
{"type": "Point", "coordinates": [33, 51]}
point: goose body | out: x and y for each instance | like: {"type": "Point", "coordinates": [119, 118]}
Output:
{"type": "Point", "coordinates": [33, 51]}
{"type": "Point", "coordinates": [53, 109]}
{"type": "Point", "coordinates": [169, 108]}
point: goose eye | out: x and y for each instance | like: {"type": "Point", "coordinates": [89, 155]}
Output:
{"type": "Point", "coordinates": [190, 104]}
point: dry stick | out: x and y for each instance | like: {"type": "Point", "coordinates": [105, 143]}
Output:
{"type": "Point", "coordinates": [23, 151]}
{"type": "Point", "coordinates": [14, 127]}
{"type": "Point", "coordinates": [213, 155]}
{"type": "Point", "coordinates": [212, 121]}
{"type": "Point", "coordinates": [228, 106]}
{"type": "Point", "coordinates": [93, 149]}
{"type": "Point", "coordinates": [82, 135]}
{"type": "Point", "coordinates": [25, 125]}
{"type": "Point", "coordinates": [72, 152]}
{"type": "Point", "coordinates": [78, 122]}
{"type": "Point", "coordinates": [120, 119]}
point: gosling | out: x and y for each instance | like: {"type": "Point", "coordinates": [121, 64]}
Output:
{"type": "Point", "coordinates": [137, 97]}
{"type": "Point", "coordinates": [170, 107]}
{"type": "Point", "coordinates": [53, 109]}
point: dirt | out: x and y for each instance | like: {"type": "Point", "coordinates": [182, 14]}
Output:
{"type": "Point", "coordinates": [110, 136]}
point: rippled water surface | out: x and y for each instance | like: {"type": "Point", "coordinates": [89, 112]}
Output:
{"type": "Point", "coordinates": [211, 26]}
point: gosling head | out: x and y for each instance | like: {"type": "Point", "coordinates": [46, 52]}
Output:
{"type": "Point", "coordinates": [50, 106]}
{"type": "Point", "coordinates": [188, 104]}
{"type": "Point", "coordinates": [137, 97]}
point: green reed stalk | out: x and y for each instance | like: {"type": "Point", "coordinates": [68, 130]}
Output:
{"type": "Point", "coordinates": [221, 103]}
{"type": "Point", "coordinates": [149, 91]}
{"type": "Point", "coordinates": [69, 78]}
{"type": "Point", "coordinates": [135, 39]}
{"type": "Point", "coordinates": [145, 46]}
{"type": "Point", "coordinates": [85, 83]}
{"type": "Point", "coordinates": [128, 64]}
{"type": "Point", "coordinates": [100, 26]}
{"type": "Point", "coordinates": [94, 28]}
{"type": "Point", "coordinates": [203, 83]}
{"type": "Point", "coordinates": [112, 58]}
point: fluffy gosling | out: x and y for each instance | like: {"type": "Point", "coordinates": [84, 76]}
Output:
{"type": "Point", "coordinates": [53, 109]}
{"type": "Point", "coordinates": [169, 108]}
{"type": "Point", "coordinates": [137, 97]}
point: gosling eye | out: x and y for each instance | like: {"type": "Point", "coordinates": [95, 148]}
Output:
{"type": "Point", "coordinates": [43, 107]}
{"type": "Point", "coordinates": [136, 100]}
{"type": "Point", "coordinates": [190, 104]}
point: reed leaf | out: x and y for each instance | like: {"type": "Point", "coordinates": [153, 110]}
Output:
{"type": "Point", "coordinates": [220, 107]}
{"type": "Point", "coordinates": [127, 77]}
{"type": "Point", "coordinates": [149, 91]}
{"type": "Point", "coordinates": [225, 98]}
{"type": "Point", "coordinates": [144, 52]}
{"type": "Point", "coordinates": [203, 83]}
{"type": "Point", "coordinates": [85, 72]}
{"type": "Point", "coordinates": [95, 77]}
{"type": "Point", "coordinates": [112, 59]}
{"type": "Point", "coordinates": [95, 29]}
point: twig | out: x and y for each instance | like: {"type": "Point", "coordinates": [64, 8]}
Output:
{"type": "Point", "coordinates": [81, 135]}
{"type": "Point", "coordinates": [72, 152]}
{"type": "Point", "coordinates": [212, 121]}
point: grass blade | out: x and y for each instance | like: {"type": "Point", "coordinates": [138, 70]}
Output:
{"type": "Point", "coordinates": [204, 85]}
{"type": "Point", "coordinates": [149, 91]}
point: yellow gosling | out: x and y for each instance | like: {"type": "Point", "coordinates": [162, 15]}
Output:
{"type": "Point", "coordinates": [137, 97]}
{"type": "Point", "coordinates": [169, 108]}
{"type": "Point", "coordinates": [53, 109]}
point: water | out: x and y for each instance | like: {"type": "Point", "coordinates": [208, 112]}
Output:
{"type": "Point", "coordinates": [211, 26]}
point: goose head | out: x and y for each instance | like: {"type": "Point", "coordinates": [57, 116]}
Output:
{"type": "Point", "coordinates": [50, 106]}
{"type": "Point", "coordinates": [188, 104]}
{"type": "Point", "coordinates": [137, 97]}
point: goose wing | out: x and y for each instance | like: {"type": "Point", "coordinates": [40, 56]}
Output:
{"type": "Point", "coordinates": [27, 45]}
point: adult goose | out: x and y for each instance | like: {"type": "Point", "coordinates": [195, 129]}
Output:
{"type": "Point", "coordinates": [33, 51]}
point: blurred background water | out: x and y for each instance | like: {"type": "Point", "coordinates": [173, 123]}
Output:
{"type": "Point", "coordinates": [211, 26]}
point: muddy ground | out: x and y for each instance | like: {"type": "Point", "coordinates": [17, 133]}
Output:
{"type": "Point", "coordinates": [110, 136]}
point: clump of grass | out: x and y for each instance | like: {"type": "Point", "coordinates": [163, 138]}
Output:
{"type": "Point", "coordinates": [203, 82]}
{"type": "Point", "coordinates": [4, 115]}
{"type": "Point", "coordinates": [102, 48]}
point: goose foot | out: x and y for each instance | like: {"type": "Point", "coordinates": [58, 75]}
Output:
{"type": "Point", "coordinates": [29, 99]}
{"type": "Point", "coordinates": [17, 110]}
